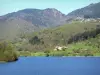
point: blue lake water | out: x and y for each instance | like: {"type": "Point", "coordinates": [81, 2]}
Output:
{"type": "Point", "coordinates": [52, 66]}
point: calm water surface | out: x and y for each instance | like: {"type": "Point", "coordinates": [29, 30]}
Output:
{"type": "Point", "coordinates": [52, 66]}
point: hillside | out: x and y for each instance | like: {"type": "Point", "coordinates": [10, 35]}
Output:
{"type": "Point", "coordinates": [29, 20]}
{"type": "Point", "coordinates": [63, 35]}
{"type": "Point", "coordinates": [90, 11]}
{"type": "Point", "coordinates": [83, 37]}
{"type": "Point", "coordinates": [79, 38]}
{"type": "Point", "coordinates": [46, 17]}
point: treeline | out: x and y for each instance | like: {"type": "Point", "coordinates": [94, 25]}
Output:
{"type": "Point", "coordinates": [85, 35]}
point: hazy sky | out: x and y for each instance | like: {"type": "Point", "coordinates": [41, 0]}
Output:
{"type": "Point", "coordinates": [65, 6]}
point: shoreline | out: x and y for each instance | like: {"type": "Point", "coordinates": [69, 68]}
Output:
{"type": "Point", "coordinates": [52, 57]}
{"type": "Point", "coordinates": [59, 56]}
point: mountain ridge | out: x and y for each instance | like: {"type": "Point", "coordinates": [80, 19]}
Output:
{"type": "Point", "coordinates": [30, 20]}
{"type": "Point", "coordinates": [39, 15]}
{"type": "Point", "coordinates": [92, 11]}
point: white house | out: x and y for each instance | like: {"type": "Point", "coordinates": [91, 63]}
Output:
{"type": "Point", "coordinates": [59, 48]}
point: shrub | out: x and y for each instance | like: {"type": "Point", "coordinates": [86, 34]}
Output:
{"type": "Point", "coordinates": [7, 52]}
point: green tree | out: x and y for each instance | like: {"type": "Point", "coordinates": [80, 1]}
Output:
{"type": "Point", "coordinates": [7, 52]}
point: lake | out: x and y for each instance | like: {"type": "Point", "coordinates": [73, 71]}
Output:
{"type": "Point", "coordinates": [52, 66]}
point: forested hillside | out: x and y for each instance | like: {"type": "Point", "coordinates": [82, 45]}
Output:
{"type": "Point", "coordinates": [65, 34]}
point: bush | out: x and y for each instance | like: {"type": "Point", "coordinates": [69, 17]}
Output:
{"type": "Point", "coordinates": [7, 52]}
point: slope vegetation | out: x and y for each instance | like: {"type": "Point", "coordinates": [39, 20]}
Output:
{"type": "Point", "coordinates": [49, 38]}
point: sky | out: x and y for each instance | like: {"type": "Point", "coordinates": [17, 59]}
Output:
{"type": "Point", "coordinates": [65, 6]}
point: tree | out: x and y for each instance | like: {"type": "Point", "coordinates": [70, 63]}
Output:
{"type": "Point", "coordinates": [7, 52]}
{"type": "Point", "coordinates": [35, 40]}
